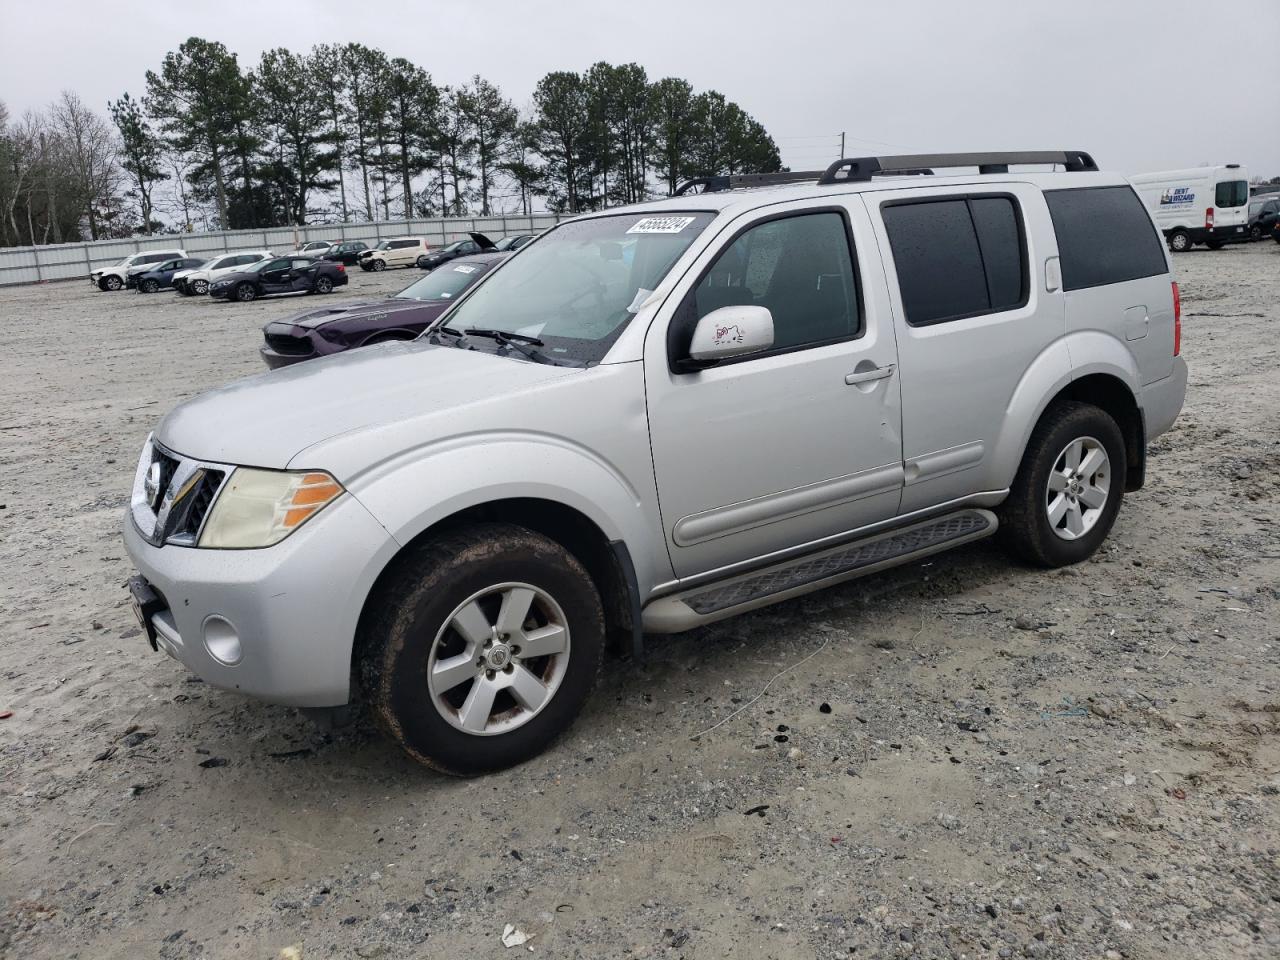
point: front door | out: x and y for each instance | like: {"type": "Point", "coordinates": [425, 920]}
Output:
{"type": "Point", "coordinates": [795, 444]}
{"type": "Point", "coordinates": [275, 277]}
{"type": "Point", "coordinates": [302, 273]}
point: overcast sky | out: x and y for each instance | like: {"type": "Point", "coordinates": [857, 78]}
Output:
{"type": "Point", "coordinates": [1141, 84]}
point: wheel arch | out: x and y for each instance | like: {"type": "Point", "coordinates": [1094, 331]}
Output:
{"type": "Point", "coordinates": [607, 561]}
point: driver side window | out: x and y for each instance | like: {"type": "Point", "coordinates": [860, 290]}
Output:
{"type": "Point", "coordinates": [801, 268]}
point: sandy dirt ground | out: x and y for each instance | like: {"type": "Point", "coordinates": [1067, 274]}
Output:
{"type": "Point", "coordinates": [976, 759]}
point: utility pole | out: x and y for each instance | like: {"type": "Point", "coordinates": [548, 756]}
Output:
{"type": "Point", "coordinates": [841, 157]}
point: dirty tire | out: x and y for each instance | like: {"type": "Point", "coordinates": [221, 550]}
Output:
{"type": "Point", "coordinates": [200, 287]}
{"type": "Point", "coordinates": [1255, 233]}
{"type": "Point", "coordinates": [149, 286]}
{"type": "Point", "coordinates": [1179, 241]}
{"type": "Point", "coordinates": [1024, 522]}
{"type": "Point", "coordinates": [379, 266]}
{"type": "Point", "coordinates": [246, 292]}
{"type": "Point", "coordinates": [410, 607]}
{"type": "Point", "coordinates": [324, 285]}
{"type": "Point", "coordinates": [110, 283]}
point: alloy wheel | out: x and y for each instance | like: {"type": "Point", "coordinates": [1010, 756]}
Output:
{"type": "Point", "coordinates": [1078, 488]}
{"type": "Point", "coordinates": [499, 659]}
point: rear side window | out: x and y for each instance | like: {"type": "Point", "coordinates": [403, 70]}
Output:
{"type": "Point", "coordinates": [957, 257]}
{"type": "Point", "coordinates": [1233, 193]}
{"type": "Point", "coordinates": [1104, 236]}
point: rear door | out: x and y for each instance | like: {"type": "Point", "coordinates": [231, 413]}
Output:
{"type": "Point", "coordinates": [1231, 206]}
{"type": "Point", "coordinates": [302, 274]}
{"type": "Point", "coordinates": [966, 278]}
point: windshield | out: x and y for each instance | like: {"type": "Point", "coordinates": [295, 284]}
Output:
{"type": "Point", "coordinates": [384, 245]}
{"type": "Point", "coordinates": [256, 267]}
{"type": "Point", "coordinates": [580, 284]}
{"type": "Point", "coordinates": [444, 283]}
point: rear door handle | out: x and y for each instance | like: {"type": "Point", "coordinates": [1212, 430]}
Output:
{"type": "Point", "coordinates": [879, 373]}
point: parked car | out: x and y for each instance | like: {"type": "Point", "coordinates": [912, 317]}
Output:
{"type": "Point", "coordinates": [347, 252]}
{"type": "Point", "coordinates": [1263, 214]}
{"type": "Point", "coordinates": [113, 277]}
{"type": "Point", "coordinates": [316, 333]}
{"type": "Point", "coordinates": [160, 275]}
{"type": "Point", "coordinates": [473, 243]}
{"type": "Point", "coordinates": [313, 248]}
{"type": "Point", "coordinates": [395, 252]}
{"type": "Point", "coordinates": [514, 242]}
{"type": "Point", "coordinates": [281, 275]}
{"type": "Point", "coordinates": [196, 282]}
{"type": "Point", "coordinates": [657, 417]}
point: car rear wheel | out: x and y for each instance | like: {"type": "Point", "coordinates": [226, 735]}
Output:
{"type": "Point", "coordinates": [324, 285]}
{"type": "Point", "coordinates": [246, 292]}
{"type": "Point", "coordinates": [199, 287]}
{"type": "Point", "coordinates": [1255, 232]}
{"type": "Point", "coordinates": [1068, 490]}
{"type": "Point", "coordinates": [110, 283]}
{"type": "Point", "coordinates": [1179, 241]}
{"type": "Point", "coordinates": [481, 647]}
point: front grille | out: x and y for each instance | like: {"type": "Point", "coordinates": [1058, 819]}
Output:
{"type": "Point", "coordinates": [189, 511]}
{"type": "Point", "coordinates": [289, 346]}
{"type": "Point", "coordinates": [168, 466]}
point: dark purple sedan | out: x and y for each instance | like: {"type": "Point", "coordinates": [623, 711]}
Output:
{"type": "Point", "coordinates": [345, 326]}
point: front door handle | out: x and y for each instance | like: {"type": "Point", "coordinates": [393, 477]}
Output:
{"type": "Point", "coordinates": [879, 373]}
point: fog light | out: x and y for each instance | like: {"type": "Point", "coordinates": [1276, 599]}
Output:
{"type": "Point", "coordinates": [221, 640]}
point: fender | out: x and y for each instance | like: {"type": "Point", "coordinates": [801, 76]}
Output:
{"type": "Point", "coordinates": [1069, 358]}
{"type": "Point", "coordinates": [473, 469]}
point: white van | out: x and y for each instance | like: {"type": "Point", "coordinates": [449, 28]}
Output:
{"type": "Point", "coordinates": [1208, 205]}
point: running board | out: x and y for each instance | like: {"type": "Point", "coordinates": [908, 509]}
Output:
{"type": "Point", "coordinates": [759, 588]}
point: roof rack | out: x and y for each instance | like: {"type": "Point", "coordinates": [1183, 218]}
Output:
{"type": "Point", "coordinates": [862, 169]}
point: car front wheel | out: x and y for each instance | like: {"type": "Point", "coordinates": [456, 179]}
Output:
{"type": "Point", "coordinates": [200, 287]}
{"type": "Point", "coordinates": [481, 648]}
{"type": "Point", "coordinates": [1068, 490]}
{"type": "Point", "coordinates": [246, 292]}
{"type": "Point", "coordinates": [111, 283]}
{"type": "Point", "coordinates": [379, 265]}
{"type": "Point", "coordinates": [148, 286]}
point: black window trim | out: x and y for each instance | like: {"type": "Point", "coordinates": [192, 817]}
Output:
{"type": "Point", "coordinates": [1024, 253]}
{"type": "Point", "coordinates": [678, 360]}
{"type": "Point", "coordinates": [1168, 270]}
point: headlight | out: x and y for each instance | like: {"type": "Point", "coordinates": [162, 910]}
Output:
{"type": "Point", "coordinates": [257, 508]}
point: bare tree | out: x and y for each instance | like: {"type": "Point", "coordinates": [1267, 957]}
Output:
{"type": "Point", "coordinates": [91, 152]}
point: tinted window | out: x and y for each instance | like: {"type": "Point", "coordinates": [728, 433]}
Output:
{"type": "Point", "coordinates": [957, 257]}
{"type": "Point", "coordinates": [800, 268]}
{"type": "Point", "coordinates": [1233, 193]}
{"type": "Point", "coordinates": [1104, 236]}
{"type": "Point", "coordinates": [304, 264]}
{"type": "Point", "coordinates": [402, 244]}
{"type": "Point", "coordinates": [154, 257]}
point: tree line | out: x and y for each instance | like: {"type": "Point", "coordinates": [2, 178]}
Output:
{"type": "Point", "coordinates": [345, 132]}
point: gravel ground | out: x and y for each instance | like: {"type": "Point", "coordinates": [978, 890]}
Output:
{"type": "Point", "coordinates": [968, 758]}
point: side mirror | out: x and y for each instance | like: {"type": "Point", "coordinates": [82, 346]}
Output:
{"type": "Point", "coordinates": [731, 332]}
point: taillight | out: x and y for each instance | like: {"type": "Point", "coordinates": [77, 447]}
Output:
{"type": "Point", "coordinates": [1177, 320]}
{"type": "Point", "coordinates": [342, 269]}
{"type": "Point", "coordinates": [1208, 218]}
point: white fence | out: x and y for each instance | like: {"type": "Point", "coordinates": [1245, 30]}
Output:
{"type": "Point", "coordinates": [73, 261]}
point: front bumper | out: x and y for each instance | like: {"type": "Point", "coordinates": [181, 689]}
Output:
{"type": "Point", "coordinates": [293, 607]}
{"type": "Point", "coordinates": [222, 293]}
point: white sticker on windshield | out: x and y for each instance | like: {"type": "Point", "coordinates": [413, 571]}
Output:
{"type": "Point", "coordinates": [661, 224]}
{"type": "Point", "coordinates": [641, 296]}
{"type": "Point", "coordinates": [464, 268]}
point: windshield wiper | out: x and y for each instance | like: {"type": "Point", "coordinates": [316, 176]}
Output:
{"type": "Point", "coordinates": [513, 341]}
{"type": "Point", "coordinates": [503, 335]}
{"type": "Point", "coordinates": [436, 331]}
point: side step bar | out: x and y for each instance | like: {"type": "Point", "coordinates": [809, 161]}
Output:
{"type": "Point", "coordinates": [759, 588]}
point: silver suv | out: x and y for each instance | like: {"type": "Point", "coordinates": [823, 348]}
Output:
{"type": "Point", "coordinates": [656, 417]}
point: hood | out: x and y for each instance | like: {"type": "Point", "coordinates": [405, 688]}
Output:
{"type": "Point", "coordinates": [266, 420]}
{"type": "Point", "coordinates": [319, 316]}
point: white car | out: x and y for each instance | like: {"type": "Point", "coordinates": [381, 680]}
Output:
{"type": "Point", "coordinates": [196, 282]}
{"type": "Point", "coordinates": [1208, 205]}
{"type": "Point", "coordinates": [394, 252]}
{"type": "Point", "coordinates": [314, 248]}
{"type": "Point", "coordinates": [113, 277]}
